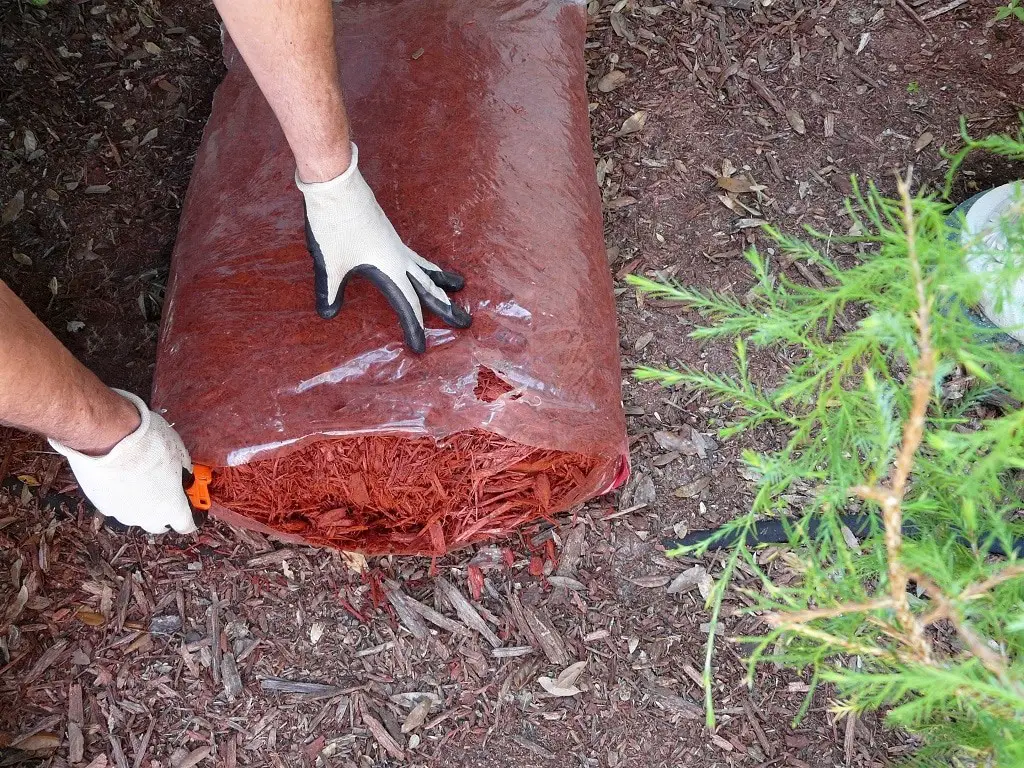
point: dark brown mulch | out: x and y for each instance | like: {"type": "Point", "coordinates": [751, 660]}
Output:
{"type": "Point", "coordinates": [130, 652]}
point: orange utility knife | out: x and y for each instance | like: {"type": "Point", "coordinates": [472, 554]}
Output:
{"type": "Point", "coordinates": [197, 488]}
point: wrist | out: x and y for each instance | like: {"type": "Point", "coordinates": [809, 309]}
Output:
{"type": "Point", "coordinates": [111, 419]}
{"type": "Point", "coordinates": [324, 164]}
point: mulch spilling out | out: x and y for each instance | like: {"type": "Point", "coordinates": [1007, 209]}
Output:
{"type": "Point", "coordinates": [391, 494]}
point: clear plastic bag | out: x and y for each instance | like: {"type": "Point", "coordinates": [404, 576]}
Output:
{"type": "Point", "coordinates": [472, 123]}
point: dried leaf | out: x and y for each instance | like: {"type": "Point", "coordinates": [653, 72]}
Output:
{"type": "Point", "coordinates": [633, 123]}
{"type": "Point", "coordinates": [316, 631]}
{"type": "Point", "coordinates": [152, 48]}
{"type": "Point", "coordinates": [91, 618]}
{"type": "Point", "coordinates": [150, 135]}
{"type": "Point", "coordinates": [13, 208]}
{"type": "Point", "coordinates": [651, 582]}
{"type": "Point", "coordinates": [551, 687]}
{"type": "Point", "coordinates": [620, 202]}
{"type": "Point", "coordinates": [643, 341]}
{"type": "Point", "coordinates": [611, 81]}
{"type": "Point", "coordinates": [14, 609]}
{"type": "Point", "coordinates": [750, 223]}
{"type": "Point", "coordinates": [670, 441]}
{"type": "Point", "coordinates": [22, 259]}
{"type": "Point", "coordinates": [737, 185]}
{"type": "Point", "coordinates": [417, 716]}
{"type": "Point", "coordinates": [567, 582]}
{"type": "Point", "coordinates": [925, 139]}
{"type": "Point", "coordinates": [687, 580]}
{"type": "Point", "coordinates": [44, 741]}
{"type": "Point", "coordinates": [692, 490]}
{"type": "Point", "coordinates": [193, 758]}
{"type": "Point", "coordinates": [796, 121]}
{"type": "Point", "coordinates": [570, 675]}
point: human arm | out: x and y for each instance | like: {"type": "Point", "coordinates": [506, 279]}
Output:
{"type": "Point", "coordinates": [127, 460]}
{"type": "Point", "coordinates": [288, 46]}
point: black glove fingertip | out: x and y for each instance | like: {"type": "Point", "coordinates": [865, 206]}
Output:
{"type": "Point", "coordinates": [412, 329]}
{"type": "Point", "coordinates": [451, 313]}
{"type": "Point", "coordinates": [446, 281]}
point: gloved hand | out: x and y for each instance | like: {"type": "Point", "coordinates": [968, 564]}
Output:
{"type": "Point", "coordinates": [348, 234]}
{"type": "Point", "coordinates": [140, 481]}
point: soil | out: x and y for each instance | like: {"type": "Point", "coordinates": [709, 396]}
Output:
{"type": "Point", "coordinates": [129, 651]}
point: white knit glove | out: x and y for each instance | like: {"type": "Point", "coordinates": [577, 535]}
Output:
{"type": "Point", "coordinates": [140, 481]}
{"type": "Point", "coordinates": [348, 234]}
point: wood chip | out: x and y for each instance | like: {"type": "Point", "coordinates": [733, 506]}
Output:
{"type": "Point", "coordinates": [194, 758]}
{"type": "Point", "coordinates": [229, 674]}
{"type": "Point", "coordinates": [50, 655]}
{"type": "Point", "coordinates": [547, 637]}
{"type": "Point", "coordinates": [76, 720]}
{"type": "Point", "coordinates": [572, 551]}
{"type": "Point", "coordinates": [770, 98]}
{"type": "Point", "coordinates": [410, 619]}
{"type": "Point", "coordinates": [511, 651]}
{"type": "Point", "coordinates": [925, 139]}
{"type": "Point", "coordinates": [437, 619]}
{"type": "Point", "coordinates": [687, 580]}
{"type": "Point", "coordinates": [310, 690]}
{"type": "Point", "coordinates": [534, 747]}
{"type": "Point", "coordinates": [668, 700]}
{"type": "Point", "coordinates": [380, 733]}
{"type": "Point", "coordinates": [214, 624]}
{"type": "Point", "coordinates": [467, 612]}
{"type": "Point", "coordinates": [943, 9]}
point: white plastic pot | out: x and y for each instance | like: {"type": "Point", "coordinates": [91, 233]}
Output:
{"type": "Point", "coordinates": [986, 217]}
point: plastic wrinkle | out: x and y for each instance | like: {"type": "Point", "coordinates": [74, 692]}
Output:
{"type": "Point", "coordinates": [472, 123]}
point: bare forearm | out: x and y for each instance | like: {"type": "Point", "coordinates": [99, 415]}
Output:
{"type": "Point", "coordinates": [44, 389]}
{"type": "Point", "coordinates": [288, 46]}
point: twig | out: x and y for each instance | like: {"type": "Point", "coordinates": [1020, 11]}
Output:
{"type": "Point", "coordinates": [847, 645]}
{"type": "Point", "coordinates": [803, 617]}
{"type": "Point", "coordinates": [976, 590]}
{"type": "Point", "coordinates": [890, 499]}
{"type": "Point", "coordinates": [994, 662]}
{"type": "Point", "coordinates": [917, 19]}
{"type": "Point", "coordinates": [944, 9]}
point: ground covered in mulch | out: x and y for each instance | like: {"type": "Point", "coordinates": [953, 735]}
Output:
{"type": "Point", "coordinates": [562, 646]}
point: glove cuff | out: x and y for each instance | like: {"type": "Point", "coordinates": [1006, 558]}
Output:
{"type": "Point", "coordinates": [335, 185]}
{"type": "Point", "coordinates": [132, 449]}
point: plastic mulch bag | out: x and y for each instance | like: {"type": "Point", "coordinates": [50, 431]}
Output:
{"type": "Point", "coordinates": [471, 118]}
